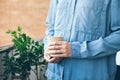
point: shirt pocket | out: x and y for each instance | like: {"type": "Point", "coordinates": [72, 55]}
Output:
{"type": "Point", "coordinates": [88, 20]}
{"type": "Point", "coordinates": [90, 13]}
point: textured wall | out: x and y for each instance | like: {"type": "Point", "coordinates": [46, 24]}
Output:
{"type": "Point", "coordinates": [30, 14]}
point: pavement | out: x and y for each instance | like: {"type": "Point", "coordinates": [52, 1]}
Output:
{"type": "Point", "coordinates": [29, 14]}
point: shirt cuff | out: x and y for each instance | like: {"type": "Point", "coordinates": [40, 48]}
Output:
{"type": "Point", "coordinates": [75, 49]}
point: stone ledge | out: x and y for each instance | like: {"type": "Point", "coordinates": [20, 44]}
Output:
{"type": "Point", "coordinates": [6, 48]}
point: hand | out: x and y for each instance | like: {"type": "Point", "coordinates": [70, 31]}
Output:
{"type": "Point", "coordinates": [59, 49]}
{"type": "Point", "coordinates": [50, 59]}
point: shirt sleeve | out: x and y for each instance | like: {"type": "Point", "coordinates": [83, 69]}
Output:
{"type": "Point", "coordinates": [50, 21]}
{"type": "Point", "coordinates": [101, 47]}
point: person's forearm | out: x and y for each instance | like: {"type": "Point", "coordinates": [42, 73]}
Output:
{"type": "Point", "coordinates": [98, 48]}
{"type": "Point", "coordinates": [103, 46]}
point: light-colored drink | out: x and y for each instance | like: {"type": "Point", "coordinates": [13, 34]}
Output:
{"type": "Point", "coordinates": [52, 39]}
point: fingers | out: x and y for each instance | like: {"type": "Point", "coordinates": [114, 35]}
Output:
{"type": "Point", "coordinates": [57, 59]}
{"type": "Point", "coordinates": [49, 52]}
{"type": "Point", "coordinates": [61, 54]}
{"type": "Point", "coordinates": [59, 49]}
{"type": "Point", "coordinates": [56, 47]}
{"type": "Point", "coordinates": [50, 59]}
{"type": "Point", "coordinates": [56, 43]}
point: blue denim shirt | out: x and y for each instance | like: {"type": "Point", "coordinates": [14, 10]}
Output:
{"type": "Point", "coordinates": [93, 29]}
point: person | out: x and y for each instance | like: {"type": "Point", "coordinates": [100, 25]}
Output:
{"type": "Point", "coordinates": [91, 38]}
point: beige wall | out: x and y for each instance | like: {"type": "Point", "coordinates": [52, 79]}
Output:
{"type": "Point", "coordinates": [30, 14]}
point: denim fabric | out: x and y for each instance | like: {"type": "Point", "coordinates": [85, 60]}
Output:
{"type": "Point", "coordinates": [93, 29]}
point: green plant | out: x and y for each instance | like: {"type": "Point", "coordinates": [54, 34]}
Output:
{"type": "Point", "coordinates": [28, 53]}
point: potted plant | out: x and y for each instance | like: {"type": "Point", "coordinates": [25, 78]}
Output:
{"type": "Point", "coordinates": [27, 53]}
